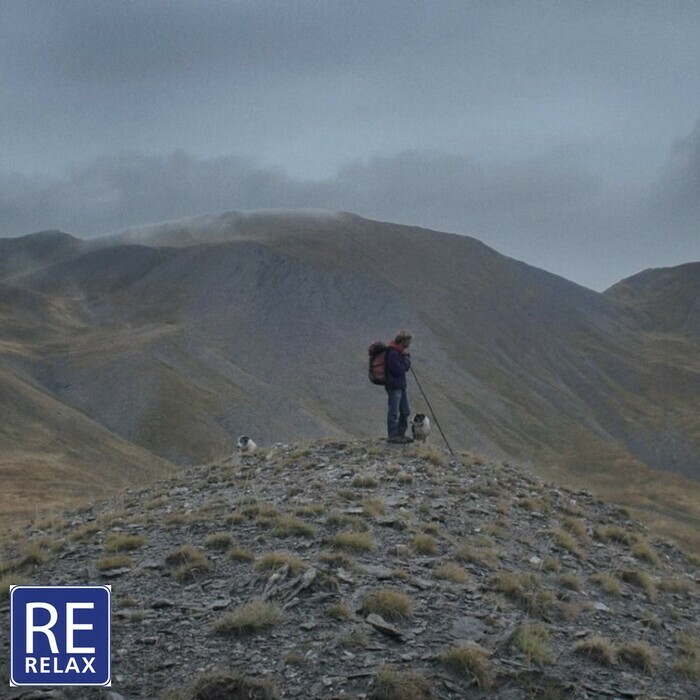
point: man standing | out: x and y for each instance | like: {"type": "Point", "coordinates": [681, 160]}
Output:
{"type": "Point", "coordinates": [398, 362]}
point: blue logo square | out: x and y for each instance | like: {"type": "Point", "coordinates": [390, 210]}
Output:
{"type": "Point", "coordinates": [60, 635]}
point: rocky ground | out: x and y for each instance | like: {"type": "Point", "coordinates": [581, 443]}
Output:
{"type": "Point", "coordinates": [364, 570]}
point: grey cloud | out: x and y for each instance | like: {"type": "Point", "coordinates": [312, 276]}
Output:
{"type": "Point", "coordinates": [550, 212]}
{"type": "Point", "coordinates": [677, 195]}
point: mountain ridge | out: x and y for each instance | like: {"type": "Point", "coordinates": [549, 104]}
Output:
{"type": "Point", "coordinates": [180, 348]}
{"type": "Point", "coordinates": [332, 568]}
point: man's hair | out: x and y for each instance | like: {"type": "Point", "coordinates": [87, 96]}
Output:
{"type": "Point", "coordinates": [401, 336]}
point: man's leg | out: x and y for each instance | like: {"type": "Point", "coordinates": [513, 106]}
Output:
{"type": "Point", "coordinates": [392, 416]}
{"type": "Point", "coordinates": [404, 413]}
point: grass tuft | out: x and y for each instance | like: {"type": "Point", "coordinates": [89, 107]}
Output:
{"type": "Point", "coordinates": [187, 562]}
{"type": "Point", "coordinates": [469, 662]}
{"type": "Point", "coordinates": [219, 684]}
{"type": "Point", "coordinates": [424, 544]}
{"type": "Point", "coordinates": [532, 640]}
{"type": "Point", "coordinates": [390, 603]}
{"type": "Point", "coordinates": [599, 649]}
{"type": "Point", "coordinates": [278, 560]}
{"type": "Point", "coordinates": [124, 543]}
{"type": "Point", "coordinates": [252, 617]}
{"type": "Point", "coordinates": [392, 683]}
{"type": "Point", "coordinates": [608, 583]}
{"type": "Point", "coordinates": [219, 540]}
{"type": "Point", "coordinates": [451, 572]}
{"type": "Point", "coordinates": [353, 541]}
{"type": "Point", "coordinates": [639, 655]}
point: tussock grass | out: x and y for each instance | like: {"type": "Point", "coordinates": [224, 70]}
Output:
{"type": "Point", "coordinates": [84, 532]}
{"type": "Point", "coordinates": [676, 585]}
{"type": "Point", "coordinates": [689, 663]}
{"type": "Point", "coordinates": [124, 543]}
{"type": "Point", "coordinates": [430, 454]}
{"type": "Point", "coordinates": [639, 655]}
{"type": "Point", "coordinates": [221, 684]}
{"type": "Point", "coordinates": [640, 579]}
{"type": "Point", "coordinates": [154, 503]}
{"type": "Point", "coordinates": [358, 638]}
{"type": "Point", "coordinates": [451, 572]}
{"type": "Point", "coordinates": [353, 522]}
{"type": "Point", "coordinates": [533, 641]}
{"type": "Point", "coordinates": [362, 481]}
{"type": "Point", "coordinates": [339, 611]}
{"type": "Point", "coordinates": [524, 588]}
{"type": "Point", "coordinates": [353, 541]}
{"type": "Point", "coordinates": [253, 617]}
{"type": "Point", "coordinates": [34, 554]}
{"type": "Point", "coordinates": [608, 583]}
{"type": "Point", "coordinates": [551, 564]}
{"type": "Point", "coordinates": [289, 526]}
{"type": "Point", "coordinates": [469, 662]}
{"type": "Point", "coordinates": [309, 511]}
{"type": "Point", "coordinates": [565, 541]}
{"type": "Point", "coordinates": [598, 649]}
{"type": "Point", "coordinates": [651, 621]}
{"type": "Point", "coordinates": [373, 507]}
{"type": "Point", "coordinates": [240, 554]}
{"type": "Point", "coordinates": [338, 559]}
{"type": "Point", "coordinates": [219, 540]}
{"type": "Point", "coordinates": [9, 565]}
{"type": "Point", "coordinates": [645, 552]}
{"type": "Point", "coordinates": [278, 560]}
{"type": "Point", "coordinates": [390, 603]}
{"type": "Point", "coordinates": [11, 580]}
{"type": "Point", "coordinates": [424, 544]}
{"type": "Point", "coordinates": [571, 581]}
{"type": "Point", "coordinates": [118, 561]}
{"type": "Point", "coordinates": [392, 683]}
{"type": "Point", "coordinates": [615, 533]}
{"type": "Point", "coordinates": [576, 527]}
{"type": "Point", "coordinates": [187, 561]}
{"type": "Point", "coordinates": [483, 556]}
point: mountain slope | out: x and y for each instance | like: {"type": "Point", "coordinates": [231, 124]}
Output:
{"type": "Point", "coordinates": [668, 299]}
{"type": "Point", "coordinates": [333, 569]}
{"type": "Point", "coordinates": [179, 337]}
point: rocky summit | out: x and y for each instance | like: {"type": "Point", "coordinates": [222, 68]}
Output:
{"type": "Point", "coordinates": [336, 569]}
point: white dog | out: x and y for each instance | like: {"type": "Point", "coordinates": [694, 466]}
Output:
{"type": "Point", "coordinates": [420, 427]}
{"type": "Point", "coordinates": [245, 445]}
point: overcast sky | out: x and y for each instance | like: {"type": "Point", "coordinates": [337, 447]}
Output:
{"type": "Point", "coordinates": [564, 133]}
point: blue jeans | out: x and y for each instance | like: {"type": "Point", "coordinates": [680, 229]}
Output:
{"type": "Point", "coordinates": [398, 412]}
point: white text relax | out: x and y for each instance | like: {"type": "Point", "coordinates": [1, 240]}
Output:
{"type": "Point", "coordinates": [50, 664]}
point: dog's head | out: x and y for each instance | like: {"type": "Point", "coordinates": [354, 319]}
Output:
{"type": "Point", "coordinates": [243, 442]}
{"type": "Point", "coordinates": [419, 418]}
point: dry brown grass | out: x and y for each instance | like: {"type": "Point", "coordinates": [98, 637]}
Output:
{"type": "Point", "coordinates": [124, 543]}
{"type": "Point", "coordinates": [187, 562]}
{"type": "Point", "coordinates": [278, 560]}
{"type": "Point", "coordinates": [451, 572]}
{"type": "Point", "coordinates": [390, 603]}
{"type": "Point", "coordinates": [353, 541]}
{"type": "Point", "coordinates": [392, 683]}
{"type": "Point", "coordinates": [598, 649]}
{"type": "Point", "coordinates": [469, 662]}
{"type": "Point", "coordinates": [255, 616]}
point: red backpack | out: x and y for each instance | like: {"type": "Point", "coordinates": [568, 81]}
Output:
{"type": "Point", "coordinates": [377, 362]}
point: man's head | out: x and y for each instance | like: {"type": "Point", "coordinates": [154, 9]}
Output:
{"type": "Point", "coordinates": [403, 338]}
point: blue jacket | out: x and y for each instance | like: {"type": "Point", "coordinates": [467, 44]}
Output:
{"type": "Point", "coordinates": [397, 364]}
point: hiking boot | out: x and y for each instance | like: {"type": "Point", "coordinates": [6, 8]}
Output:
{"type": "Point", "coordinates": [398, 440]}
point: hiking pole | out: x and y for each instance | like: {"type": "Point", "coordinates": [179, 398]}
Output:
{"type": "Point", "coordinates": [437, 422]}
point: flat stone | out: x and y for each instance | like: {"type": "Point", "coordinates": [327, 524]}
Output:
{"type": "Point", "coordinates": [381, 625]}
